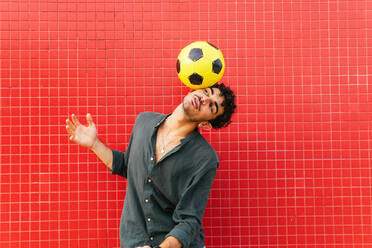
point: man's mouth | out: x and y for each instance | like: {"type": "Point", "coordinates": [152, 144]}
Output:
{"type": "Point", "coordinates": [196, 102]}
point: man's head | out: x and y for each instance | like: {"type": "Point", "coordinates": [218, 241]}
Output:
{"type": "Point", "coordinates": [228, 104]}
{"type": "Point", "coordinates": [210, 107]}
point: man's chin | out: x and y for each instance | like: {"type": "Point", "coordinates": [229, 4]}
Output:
{"type": "Point", "coordinates": [188, 109]}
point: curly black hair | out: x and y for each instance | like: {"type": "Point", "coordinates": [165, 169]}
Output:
{"type": "Point", "coordinates": [224, 119]}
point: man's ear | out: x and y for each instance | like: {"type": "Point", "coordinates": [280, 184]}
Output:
{"type": "Point", "coordinates": [205, 125]}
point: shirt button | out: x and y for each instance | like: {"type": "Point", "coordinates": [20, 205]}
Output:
{"type": "Point", "coordinates": [149, 180]}
{"type": "Point", "coordinates": [146, 200]}
{"type": "Point", "coordinates": [148, 219]}
{"type": "Point", "coordinates": [151, 238]}
{"type": "Point", "coordinates": [151, 158]}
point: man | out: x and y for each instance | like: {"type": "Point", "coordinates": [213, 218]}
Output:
{"type": "Point", "coordinates": [169, 166]}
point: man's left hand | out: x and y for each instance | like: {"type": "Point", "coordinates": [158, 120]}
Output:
{"type": "Point", "coordinates": [171, 242]}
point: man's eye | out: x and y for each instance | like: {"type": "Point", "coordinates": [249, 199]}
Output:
{"type": "Point", "coordinates": [206, 92]}
{"type": "Point", "coordinates": [211, 107]}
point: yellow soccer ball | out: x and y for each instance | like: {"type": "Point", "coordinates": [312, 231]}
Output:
{"type": "Point", "coordinates": [200, 65]}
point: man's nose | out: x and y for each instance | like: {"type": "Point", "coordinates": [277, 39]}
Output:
{"type": "Point", "coordinates": [205, 99]}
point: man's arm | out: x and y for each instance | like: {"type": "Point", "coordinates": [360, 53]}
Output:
{"type": "Point", "coordinates": [87, 136]}
{"type": "Point", "coordinates": [103, 152]}
{"type": "Point", "coordinates": [189, 211]}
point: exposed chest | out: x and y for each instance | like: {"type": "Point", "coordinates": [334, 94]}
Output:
{"type": "Point", "coordinates": [165, 142]}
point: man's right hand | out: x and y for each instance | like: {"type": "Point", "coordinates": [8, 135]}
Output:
{"type": "Point", "coordinates": [80, 134]}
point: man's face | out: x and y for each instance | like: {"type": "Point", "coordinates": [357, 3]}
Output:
{"type": "Point", "coordinates": [203, 104]}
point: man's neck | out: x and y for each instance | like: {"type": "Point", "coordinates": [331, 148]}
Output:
{"type": "Point", "coordinates": [178, 124]}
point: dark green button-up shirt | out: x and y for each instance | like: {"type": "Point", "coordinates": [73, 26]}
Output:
{"type": "Point", "coordinates": [167, 198]}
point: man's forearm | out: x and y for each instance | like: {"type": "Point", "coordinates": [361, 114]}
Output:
{"type": "Point", "coordinates": [103, 152]}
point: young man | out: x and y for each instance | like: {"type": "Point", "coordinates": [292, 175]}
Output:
{"type": "Point", "coordinates": [169, 166]}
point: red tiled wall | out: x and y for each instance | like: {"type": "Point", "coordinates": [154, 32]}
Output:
{"type": "Point", "coordinates": [295, 164]}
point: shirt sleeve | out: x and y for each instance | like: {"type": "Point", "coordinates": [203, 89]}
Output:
{"type": "Point", "coordinates": [190, 209]}
{"type": "Point", "coordinates": [120, 160]}
{"type": "Point", "coordinates": [119, 163]}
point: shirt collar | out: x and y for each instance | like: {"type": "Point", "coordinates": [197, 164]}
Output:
{"type": "Point", "coordinates": [161, 120]}
{"type": "Point", "coordinates": [184, 140]}
{"type": "Point", "coordinates": [190, 136]}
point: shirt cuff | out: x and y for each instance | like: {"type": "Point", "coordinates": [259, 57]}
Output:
{"type": "Point", "coordinates": [117, 160]}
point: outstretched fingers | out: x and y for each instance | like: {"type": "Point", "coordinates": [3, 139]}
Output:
{"type": "Point", "coordinates": [90, 120]}
{"type": "Point", "coordinates": [81, 134]}
{"type": "Point", "coordinates": [70, 127]}
{"type": "Point", "coordinates": [75, 120]}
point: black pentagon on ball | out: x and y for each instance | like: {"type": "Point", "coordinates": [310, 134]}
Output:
{"type": "Point", "coordinates": [178, 65]}
{"type": "Point", "coordinates": [196, 79]}
{"type": "Point", "coordinates": [195, 54]}
{"type": "Point", "coordinates": [217, 66]}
